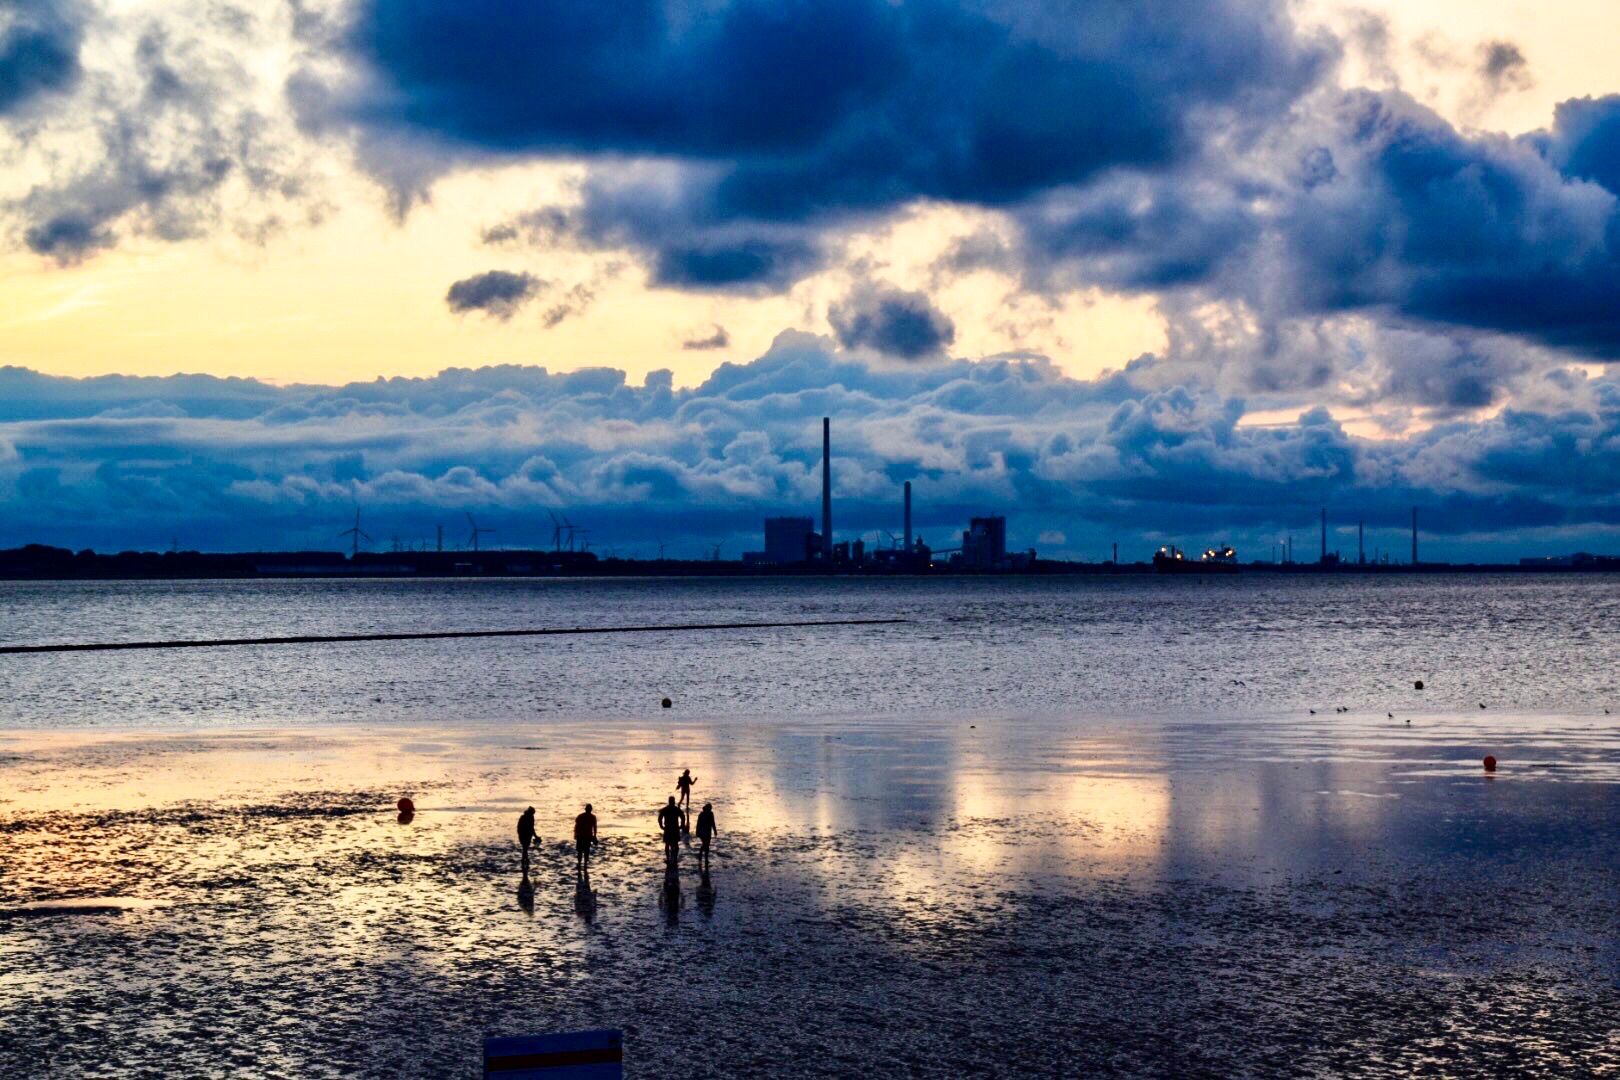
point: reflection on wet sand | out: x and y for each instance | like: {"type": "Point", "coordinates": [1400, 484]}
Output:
{"type": "Point", "coordinates": [525, 892]}
{"type": "Point", "coordinates": [705, 895]}
{"type": "Point", "coordinates": [584, 898]}
{"type": "Point", "coordinates": [1295, 896]}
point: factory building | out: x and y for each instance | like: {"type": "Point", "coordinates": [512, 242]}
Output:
{"type": "Point", "coordinates": [984, 544]}
{"type": "Point", "coordinates": [788, 542]}
{"type": "Point", "coordinates": [794, 541]}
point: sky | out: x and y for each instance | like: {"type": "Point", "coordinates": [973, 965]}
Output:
{"type": "Point", "coordinates": [1125, 272]}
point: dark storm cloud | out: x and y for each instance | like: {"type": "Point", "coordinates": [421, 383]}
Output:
{"type": "Point", "coordinates": [1483, 232]}
{"type": "Point", "coordinates": [499, 293]}
{"type": "Point", "coordinates": [904, 325]}
{"type": "Point", "coordinates": [1503, 67]}
{"type": "Point", "coordinates": [1584, 142]}
{"type": "Point", "coordinates": [1135, 149]}
{"type": "Point", "coordinates": [240, 463]}
{"type": "Point", "coordinates": [39, 50]}
{"type": "Point", "coordinates": [715, 337]}
{"type": "Point", "coordinates": [778, 118]}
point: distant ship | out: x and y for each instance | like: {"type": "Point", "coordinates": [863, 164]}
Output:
{"type": "Point", "coordinates": [1171, 560]}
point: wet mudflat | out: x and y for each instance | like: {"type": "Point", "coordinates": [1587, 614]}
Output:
{"type": "Point", "coordinates": [933, 896]}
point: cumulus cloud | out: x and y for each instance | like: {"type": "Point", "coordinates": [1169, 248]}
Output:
{"type": "Point", "coordinates": [498, 293]}
{"type": "Point", "coordinates": [237, 463]}
{"type": "Point", "coordinates": [894, 322]}
{"type": "Point", "coordinates": [171, 135]}
{"type": "Point", "coordinates": [1482, 232]}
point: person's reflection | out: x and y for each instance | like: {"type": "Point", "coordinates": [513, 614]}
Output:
{"type": "Point", "coordinates": [584, 897]}
{"type": "Point", "coordinates": [526, 893]}
{"type": "Point", "coordinates": [705, 896]}
{"type": "Point", "coordinates": [670, 898]}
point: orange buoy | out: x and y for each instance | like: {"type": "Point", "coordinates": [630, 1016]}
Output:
{"type": "Point", "coordinates": [1490, 763]}
{"type": "Point", "coordinates": [406, 806]}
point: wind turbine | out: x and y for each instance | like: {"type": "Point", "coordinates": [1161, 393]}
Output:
{"type": "Point", "coordinates": [661, 547]}
{"type": "Point", "coordinates": [476, 532]}
{"type": "Point", "coordinates": [354, 535]}
{"type": "Point", "coordinates": [714, 555]}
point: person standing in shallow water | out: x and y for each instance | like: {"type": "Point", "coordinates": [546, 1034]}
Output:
{"type": "Point", "coordinates": [705, 831]}
{"type": "Point", "coordinates": [584, 838]}
{"type": "Point", "coordinates": [672, 821]}
{"type": "Point", "coordinates": [683, 784]}
{"type": "Point", "coordinates": [526, 835]}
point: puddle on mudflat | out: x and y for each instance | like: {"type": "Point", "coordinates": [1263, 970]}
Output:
{"type": "Point", "coordinates": [82, 905]}
{"type": "Point", "coordinates": [1046, 895]}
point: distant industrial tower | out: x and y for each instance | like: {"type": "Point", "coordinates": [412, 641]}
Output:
{"type": "Point", "coordinates": [908, 517]}
{"type": "Point", "coordinates": [826, 489]}
{"type": "Point", "coordinates": [1414, 537]}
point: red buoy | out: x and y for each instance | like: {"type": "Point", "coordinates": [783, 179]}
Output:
{"type": "Point", "coordinates": [408, 807]}
{"type": "Point", "coordinates": [1490, 763]}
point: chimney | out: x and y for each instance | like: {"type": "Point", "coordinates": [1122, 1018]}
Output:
{"type": "Point", "coordinates": [1361, 543]}
{"type": "Point", "coordinates": [826, 488]}
{"type": "Point", "coordinates": [1414, 537]}
{"type": "Point", "coordinates": [908, 517]}
{"type": "Point", "coordinates": [1324, 536]}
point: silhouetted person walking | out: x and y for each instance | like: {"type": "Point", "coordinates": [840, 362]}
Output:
{"type": "Point", "coordinates": [683, 784]}
{"type": "Point", "coordinates": [584, 838]}
{"type": "Point", "coordinates": [705, 831]}
{"type": "Point", "coordinates": [526, 835]}
{"type": "Point", "coordinates": [671, 820]}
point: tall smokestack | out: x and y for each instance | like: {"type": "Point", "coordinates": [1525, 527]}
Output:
{"type": "Point", "coordinates": [1324, 534]}
{"type": "Point", "coordinates": [908, 517]}
{"type": "Point", "coordinates": [826, 488]}
{"type": "Point", "coordinates": [1414, 536]}
{"type": "Point", "coordinates": [1361, 543]}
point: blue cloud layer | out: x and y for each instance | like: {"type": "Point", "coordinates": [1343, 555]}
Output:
{"type": "Point", "coordinates": [121, 461]}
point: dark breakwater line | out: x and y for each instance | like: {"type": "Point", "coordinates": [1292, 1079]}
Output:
{"type": "Point", "coordinates": [325, 639]}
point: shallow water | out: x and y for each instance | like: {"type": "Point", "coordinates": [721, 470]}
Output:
{"type": "Point", "coordinates": [1126, 645]}
{"type": "Point", "coordinates": [1044, 827]}
{"type": "Point", "coordinates": [1027, 893]}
